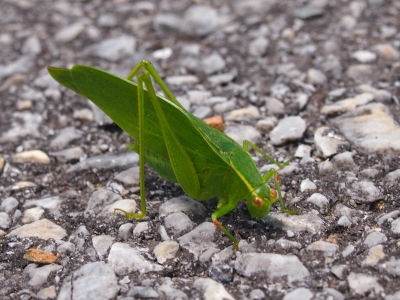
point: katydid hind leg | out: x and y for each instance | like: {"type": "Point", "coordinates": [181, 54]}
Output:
{"type": "Point", "coordinates": [221, 211]}
{"type": "Point", "coordinates": [181, 163]}
{"type": "Point", "coordinates": [247, 144]}
{"type": "Point", "coordinates": [141, 154]}
{"type": "Point", "coordinates": [145, 64]}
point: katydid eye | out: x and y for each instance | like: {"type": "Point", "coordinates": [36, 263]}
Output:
{"type": "Point", "coordinates": [274, 194]}
{"type": "Point", "coordinates": [258, 202]}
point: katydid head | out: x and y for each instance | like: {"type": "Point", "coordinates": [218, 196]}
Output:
{"type": "Point", "coordinates": [260, 201]}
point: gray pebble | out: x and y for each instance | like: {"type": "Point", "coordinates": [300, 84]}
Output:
{"type": "Point", "coordinates": [102, 243]}
{"type": "Point", "coordinates": [288, 129]}
{"type": "Point", "coordinates": [206, 255]}
{"type": "Point", "coordinates": [360, 73]}
{"type": "Point", "coordinates": [199, 20]}
{"type": "Point", "coordinates": [395, 296]}
{"type": "Point", "coordinates": [199, 239]}
{"type": "Point", "coordinates": [32, 156]}
{"type": "Point", "coordinates": [221, 273]}
{"type": "Point", "coordinates": [307, 185]}
{"type": "Point", "coordinates": [9, 204]}
{"type": "Point", "coordinates": [52, 204]}
{"type": "Point", "coordinates": [5, 220]}
{"type": "Point", "coordinates": [66, 248]}
{"type": "Point", "coordinates": [383, 218]}
{"type": "Point", "coordinates": [361, 283]}
{"type": "Point", "coordinates": [315, 76]}
{"type": "Point", "coordinates": [125, 259]}
{"type": "Point", "coordinates": [69, 33]}
{"type": "Point", "coordinates": [183, 204]}
{"type": "Point", "coordinates": [348, 250]}
{"type": "Point", "coordinates": [107, 20]}
{"type": "Point", "coordinates": [84, 114]}
{"type": "Point", "coordinates": [21, 65]}
{"type": "Point", "coordinates": [299, 293]}
{"type": "Point", "coordinates": [271, 266]}
{"type": "Point", "coordinates": [112, 49]}
{"type": "Point", "coordinates": [181, 80]}
{"type": "Point", "coordinates": [224, 256]}
{"type": "Point", "coordinates": [32, 215]}
{"type": "Point", "coordinates": [319, 200]}
{"type": "Point", "coordinates": [43, 229]}
{"type": "Point", "coordinates": [328, 249]}
{"type": "Point", "coordinates": [339, 271]}
{"type": "Point", "coordinates": [395, 226]}
{"type": "Point", "coordinates": [375, 238]}
{"type": "Point", "coordinates": [124, 160]}
{"type": "Point", "coordinates": [258, 46]}
{"type": "Point", "coordinates": [169, 293]}
{"type": "Point", "coordinates": [392, 266]}
{"type": "Point", "coordinates": [303, 151]}
{"type": "Point", "coordinates": [243, 114]}
{"type": "Point", "coordinates": [210, 289]}
{"type": "Point", "coordinates": [140, 228]}
{"type": "Point", "coordinates": [285, 244]}
{"type": "Point", "coordinates": [365, 192]}
{"type": "Point", "coordinates": [329, 293]}
{"type": "Point", "coordinates": [24, 124]}
{"type": "Point", "coordinates": [32, 46]}
{"type": "Point", "coordinates": [163, 233]}
{"type": "Point", "coordinates": [344, 221]}
{"type": "Point", "coordinates": [202, 112]}
{"type": "Point", "coordinates": [125, 231]}
{"type": "Point", "coordinates": [243, 132]}
{"type": "Point", "coordinates": [39, 275]}
{"type": "Point", "coordinates": [363, 56]}
{"type": "Point", "coordinates": [65, 137]}
{"type": "Point", "coordinates": [328, 141]}
{"type": "Point", "coordinates": [309, 222]}
{"type": "Point", "coordinates": [67, 155]}
{"type": "Point", "coordinates": [98, 275]}
{"type": "Point", "coordinates": [307, 12]}
{"type": "Point", "coordinates": [257, 294]}
{"type": "Point", "coordinates": [143, 292]}
{"type": "Point", "coordinates": [166, 250]}
{"type": "Point", "coordinates": [219, 79]}
{"type": "Point", "coordinates": [344, 161]}
{"type": "Point", "coordinates": [274, 106]}
{"type": "Point", "coordinates": [387, 52]}
{"type": "Point", "coordinates": [212, 64]}
{"type": "Point", "coordinates": [349, 104]}
{"type": "Point", "coordinates": [178, 223]}
{"type": "Point", "coordinates": [375, 254]}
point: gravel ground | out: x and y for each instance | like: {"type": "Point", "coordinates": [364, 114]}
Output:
{"type": "Point", "coordinates": [312, 82]}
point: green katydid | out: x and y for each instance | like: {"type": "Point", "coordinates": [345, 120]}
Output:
{"type": "Point", "coordinates": [180, 147]}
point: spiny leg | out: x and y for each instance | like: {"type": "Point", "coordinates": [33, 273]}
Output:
{"type": "Point", "coordinates": [150, 68]}
{"type": "Point", "coordinates": [141, 154]}
{"type": "Point", "coordinates": [221, 211]}
{"type": "Point", "coordinates": [273, 173]}
{"type": "Point", "coordinates": [247, 144]}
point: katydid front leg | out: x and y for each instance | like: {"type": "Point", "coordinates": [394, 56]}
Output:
{"type": "Point", "coordinates": [267, 176]}
{"type": "Point", "coordinates": [221, 211]}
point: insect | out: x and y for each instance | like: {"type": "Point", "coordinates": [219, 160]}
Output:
{"type": "Point", "coordinates": [180, 147]}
